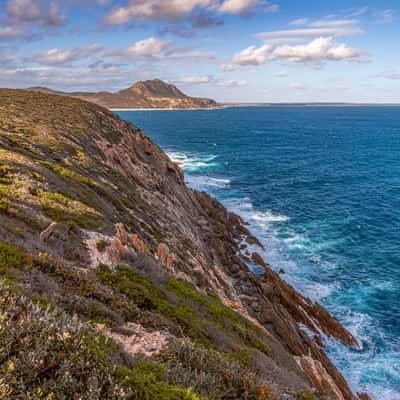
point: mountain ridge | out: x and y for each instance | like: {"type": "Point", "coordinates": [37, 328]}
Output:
{"type": "Point", "coordinates": [153, 93]}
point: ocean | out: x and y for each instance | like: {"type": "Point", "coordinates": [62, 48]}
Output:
{"type": "Point", "coordinates": [320, 187]}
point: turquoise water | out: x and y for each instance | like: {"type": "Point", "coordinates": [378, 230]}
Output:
{"type": "Point", "coordinates": [321, 189]}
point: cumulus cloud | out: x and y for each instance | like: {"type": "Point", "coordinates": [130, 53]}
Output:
{"type": "Point", "coordinates": [151, 47]}
{"type": "Point", "coordinates": [317, 51]}
{"type": "Point", "coordinates": [159, 49]}
{"type": "Point", "coordinates": [153, 10]}
{"type": "Point", "coordinates": [321, 49]}
{"type": "Point", "coordinates": [64, 56]}
{"type": "Point", "coordinates": [237, 6]}
{"type": "Point", "coordinates": [31, 11]}
{"type": "Point", "coordinates": [253, 55]}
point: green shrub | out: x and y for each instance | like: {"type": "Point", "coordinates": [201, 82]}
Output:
{"type": "Point", "coordinates": [10, 256]}
{"type": "Point", "coordinates": [101, 245]}
{"type": "Point", "coordinates": [305, 395]}
{"type": "Point", "coordinates": [45, 355]}
{"type": "Point", "coordinates": [146, 380]}
{"type": "Point", "coordinates": [61, 208]}
{"type": "Point", "coordinates": [209, 373]}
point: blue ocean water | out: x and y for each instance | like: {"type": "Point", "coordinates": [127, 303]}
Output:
{"type": "Point", "coordinates": [321, 189]}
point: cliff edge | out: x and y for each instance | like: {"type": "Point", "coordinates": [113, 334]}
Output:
{"type": "Point", "coordinates": [120, 282]}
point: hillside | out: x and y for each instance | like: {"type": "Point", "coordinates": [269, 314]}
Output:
{"type": "Point", "coordinates": [147, 94]}
{"type": "Point", "coordinates": [120, 282]}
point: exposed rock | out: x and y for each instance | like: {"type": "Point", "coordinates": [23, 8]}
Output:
{"type": "Point", "coordinates": [139, 245]}
{"type": "Point", "coordinates": [48, 231]}
{"type": "Point", "coordinates": [122, 234]}
{"type": "Point", "coordinates": [137, 340]}
{"type": "Point", "coordinates": [320, 377]}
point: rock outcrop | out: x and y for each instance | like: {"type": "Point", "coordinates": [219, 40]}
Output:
{"type": "Point", "coordinates": [109, 231]}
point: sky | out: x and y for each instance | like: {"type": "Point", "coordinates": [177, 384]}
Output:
{"type": "Point", "coordinates": [228, 50]}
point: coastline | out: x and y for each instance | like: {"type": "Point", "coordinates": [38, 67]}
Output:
{"type": "Point", "coordinates": [168, 109]}
{"type": "Point", "coordinates": [244, 105]}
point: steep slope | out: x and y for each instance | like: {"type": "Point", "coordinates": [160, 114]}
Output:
{"type": "Point", "coordinates": [98, 226]}
{"type": "Point", "coordinates": [147, 94]}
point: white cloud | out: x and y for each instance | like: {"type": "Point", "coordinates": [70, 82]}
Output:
{"type": "Point", "coordinates": [339, 31]}
{"type": "Point", "coordinates": [359, 11]}
{"type": "Point", "coordinates": [237, 6]}
{"type": "Point", "coordinates": [334, 23]}
{"type": "Point", "coordinates": [195, 80]}
{"type": "Point", "coordinates": [231, 83]}
{"type": "Point", "coordinates": [187, 53]}
{"type": "Point", "coordinates": [317, 51]}
{"type": "Point", "coordinates": [312, 29]}
{"type": "Point", "coordinates": [150, 47]}
{"type": "Point", "coordinates": [30, 11]}
{"type": "Point", "coordinates": [253, 55]}
{"type": "Point", "coordinates": [227, 67]}
{"type": "Point", "coordinates": [9, 32]}
{"type": "Point", "coordinates": [299, 22]}
{"type": "Point", "coordinates": [63, 56]}
{"type": "Point", "coordinates": [154, 10]}
{"type": "Point", "coordinates": [320, 49]}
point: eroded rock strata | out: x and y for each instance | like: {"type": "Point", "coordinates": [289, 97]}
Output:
{"type": "Point", "coordinates": [98, 224]}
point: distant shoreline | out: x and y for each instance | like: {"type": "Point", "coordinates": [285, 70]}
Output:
{"type": "Point", "coordinates": [238, 105]}
{"type": "Point", "coordinates": [168, 109]}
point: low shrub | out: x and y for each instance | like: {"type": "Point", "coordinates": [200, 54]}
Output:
{"type": "Point", "coordinates": [210, 374]}
{"type": "Point", "coordinates": [305, 395]}
{"type": "Point", "coordinates": [101, 245]}
{"type": "Point", "coordinates": [10, 256]}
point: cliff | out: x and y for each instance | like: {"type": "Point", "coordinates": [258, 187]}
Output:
{"type": "Point", "coordinates": [120, 282]}
{"type": "Point", "coordinates": [147, 94]}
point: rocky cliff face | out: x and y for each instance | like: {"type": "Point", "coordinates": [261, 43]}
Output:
{"type": "Point", "coordinates": [147, 94]}
{"type": "Point", "coordinates": [134, 284]}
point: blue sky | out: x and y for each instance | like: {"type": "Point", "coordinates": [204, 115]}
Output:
{"type": "Point", "coordinates": [230, 50]}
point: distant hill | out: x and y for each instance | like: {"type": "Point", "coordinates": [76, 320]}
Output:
{"type": "Point", "coordinates": [145, 94]}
